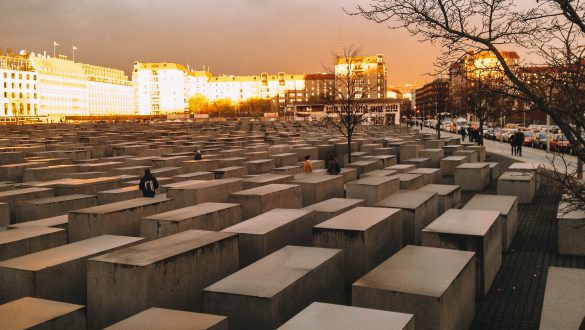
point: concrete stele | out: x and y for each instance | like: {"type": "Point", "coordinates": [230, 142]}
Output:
{"type": "Point", "coordinates": [270, 231]}
{"type": "Point", "coordinates": [470, 230]}
{"type": "Point", "coordinates": [33, 313]}
{"type": "Point", "coordinates": [130, 280]}
{"type": "Point", "coordinates": [267, 293]}
{"type": "Point", "coordinates": [367, 235]}
{"type": "Point", "coordinates": [58, 273]}
{"type": "Point", "coordinates": [338, 317]}
{"type": "Point", "coordinates": [161, 318]}
{"type": "Point", "coordinates": [204, 216]}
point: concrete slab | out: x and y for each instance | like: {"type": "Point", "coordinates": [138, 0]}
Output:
{"type": "Point", "coordinates": [122, 218]}
{"type": "Point", "coordinates": [372, 189]}
{"type": "Point", "coordinates": [470, 230]}
{"type": "Point", "coordinates": [59, 221]}
{"type": "Point", "coordinates": [256, 201]}
{"type": "Point", "coordinates": [270, 231]}
{"type": "Point", "coordinates": [564, 299]}
{"type": "Point", "coordinates": [430, 175]}
{"type": "Point", "coordinates": [521, 185]}
{"type": "Point", "coordinates": [409, 181]}
{"type": "Point", "coordinates": [338, 317]}
{"type": "Point", "coordinates": [18, 242]}
{"type": "Point", "coordinates": [317, 188]}
{"type": "Point", "coordinates": [130, 280]}
{"type": "Point", "coordinates": [508, 208]}
{"type": "Point", "coordinates": [33, 313]}
{"type": "Point", "coordinates": [367, 235]}
{"type": "Point", "coordinates": [472, 176]}
{"type": "Point", "coordinates": [204, 191]}
{"type": "Point", "coordinates": [47, 207]}
{"type": "Point", "coordinates": [436, 285]}
{"type": "Point", "coordinates": [449, 196]}
{"type": "Point", "coordinates": [265, 179]}
{"type": "Point", "coordinates": [204, 216]}
{"type": "Point", "coordinates": [401, 168]}
{"type": "Point", "coordinates": [330, 208]}
{"type": "Point", "coordinates": [570, 230]}
{"type": "Point", "coordinates": [450, 163]}
{"type": "Point", "coordinates": [57, 273]}
{"type": "Point", "coordinates": [419, 208]}
{"type": "Point", "coordinates": [162, 319]}
{"type": "Point", "coordinates": [267, 293]}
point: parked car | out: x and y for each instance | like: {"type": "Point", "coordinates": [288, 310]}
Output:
{"type": "Point", "coordinates": [559, 143]}
{"type": "Point", "coordinates": [527, 138]}
{"type": "Point", "coordinates": [539, 140]}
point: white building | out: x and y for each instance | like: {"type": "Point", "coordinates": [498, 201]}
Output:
{"type": "Point", "coordinates": [162, 88]}
{"type": "Point", "coordinates": [19, 98]}
{"type": "Point", "coordinates": [40, 88]}
{"type": "Point", "coordinates": [108, 91]}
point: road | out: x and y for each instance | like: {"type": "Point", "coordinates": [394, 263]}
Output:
{"type": "Point", "coordinates": [561, 162]}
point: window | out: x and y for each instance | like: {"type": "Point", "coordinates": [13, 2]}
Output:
{"type": "Point", "coordinates": [20, 76]}
{"type": "Point", "coordinates": [13, 75]}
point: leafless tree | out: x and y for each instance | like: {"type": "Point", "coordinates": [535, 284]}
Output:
{"type": "Point", "coordinates": [348, 108]}
{"type": "Point", "coordinates": [551, 31]}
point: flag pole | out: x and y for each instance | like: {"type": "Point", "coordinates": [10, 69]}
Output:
{"type": "Point", "coordinates": [73, 48]}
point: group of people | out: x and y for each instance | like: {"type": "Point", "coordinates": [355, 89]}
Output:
{"type": "Point", "coordinates": [472, 133]}
{"type": "Point", "coordinates": [333, 167]}
{"type": "Point", "coordinates": [412, 123]}
{"type": "Point", "coordinates": [148, 183]}
{"type": "Point", "coordinates": [516, 142]}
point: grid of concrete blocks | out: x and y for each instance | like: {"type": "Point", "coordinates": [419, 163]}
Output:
{"type": "Point", "coordinates": [246, 239]}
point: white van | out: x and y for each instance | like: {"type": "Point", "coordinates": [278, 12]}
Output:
{"type": "Point", "coordinates": [461, 123]}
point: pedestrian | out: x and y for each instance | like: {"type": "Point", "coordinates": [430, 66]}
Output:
{"type": "Point", "coordinates": [462, 132]}
{"type": "Point", "coordinates": [421, 125]}
{"type": "Point", "coordinates": [307, 165]}
{"type": "Point", "coordinates": [332, 165]}
{"type": "Point", "coordinates": [519, 143]}
{"type": "Point", "coordinates": [198, 155]}
{"type": "Point", "coordinates": [148, 184]}
{"type": "Point", "coordinates": [513, 138]}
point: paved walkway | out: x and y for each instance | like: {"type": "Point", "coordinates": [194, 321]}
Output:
{"type": "Point", "coordinates": [528, 154]}
{"type": "Point", "coordinates": [516, 296]}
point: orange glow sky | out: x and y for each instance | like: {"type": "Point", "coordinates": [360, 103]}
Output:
{"type": "Point", "coordinates": [230, 37]}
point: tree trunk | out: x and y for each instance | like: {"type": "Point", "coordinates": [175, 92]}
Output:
{"type": "Point", "coordinates": [480, 133]}
{"type": "Point", "coordinates": [349, 149]}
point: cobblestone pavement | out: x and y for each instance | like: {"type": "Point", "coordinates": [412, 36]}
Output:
{"type": "Point", "coordinates": [516, 296]}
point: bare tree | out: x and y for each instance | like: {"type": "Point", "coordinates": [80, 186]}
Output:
{"type": "Point", "coordinates": [348, 108]}
{"type": "Point", "coordinates": [551, 31]}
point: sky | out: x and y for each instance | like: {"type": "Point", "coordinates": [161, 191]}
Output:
{"type": "Point", "coordinates": [239, 37]}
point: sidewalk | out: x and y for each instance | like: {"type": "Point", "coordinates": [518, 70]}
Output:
{"type": "Point", "coordinates": [529, 155]}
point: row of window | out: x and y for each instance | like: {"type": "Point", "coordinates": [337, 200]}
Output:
{"type": "Point", "coordinates": [20, 95]}
{"type": "Point", "coordinates": [20, 75]}
{"type": "Point", "coordinates": [13, 85]}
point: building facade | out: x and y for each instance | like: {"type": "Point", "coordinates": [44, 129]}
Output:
{"type": "Point", "coordinates": [367, 75]}
{"type": "Point", "coordinates": [19, 94]}
{"type": "Point", "coordinates": [432, 98]}
{"type": "Point", "coordinates": [40, 88]}
{"type": "Point", "coordinates": [467, 74]}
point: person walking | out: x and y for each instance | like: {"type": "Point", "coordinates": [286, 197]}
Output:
{"type": "Point", "coordinates": [462, 132]}
{"type": "Point", "coordinates": [198, 155]}
{"type": "Point", "coordinates": [148, 184]}
{"type": "Point", "coordinates": [513, 138]}
{"type": "Point", "coordinates": [421, 126]}
{"type": "Point", "coordinates": [519, 143]}
{"type": "Point", "coordinates": [332, 165]}
{"type": "Point", "coordinates": [307, 165]}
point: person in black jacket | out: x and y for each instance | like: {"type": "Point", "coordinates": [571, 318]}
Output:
{"type": "Point", "coordinates": [148, 184]}
{"type": "Point", "coordinates": [198, 155]}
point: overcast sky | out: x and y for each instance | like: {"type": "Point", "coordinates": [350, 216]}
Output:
{"type": "Point", "coordinates": [228, 36]}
